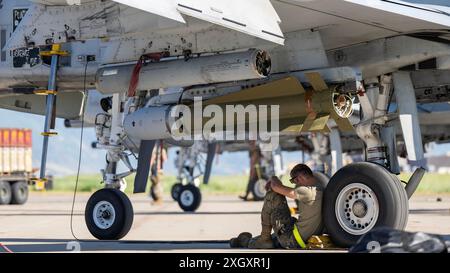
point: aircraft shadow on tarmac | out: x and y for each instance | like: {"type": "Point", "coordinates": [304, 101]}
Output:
{"type": "Point", "coordinates": [142, 213]}
{"type": "Point", "coordinates": [442, 212]}
{"type": "Point", "coordinates": [57, 245]}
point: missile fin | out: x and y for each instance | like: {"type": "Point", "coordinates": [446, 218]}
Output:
{"type": "Point", "coordinates": [316, 81]}
{"type": "Point", "coordinates": [280, 88]}
{"type": "Point", "coordinates": [308, 123]}
{"type": "Point", "coordinates": [326, 130]}
{"type": "Point", "coordinates": [319, 124]}
{"type": "Point", "coordinates": [343, 124]}
{"type": "Point", "coordinates": [293, 129]}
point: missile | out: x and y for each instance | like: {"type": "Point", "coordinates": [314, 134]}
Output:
{"type": "Point", "coordinates": [252, 64]}
{"type": "Point", "coordinates": [300, 110]}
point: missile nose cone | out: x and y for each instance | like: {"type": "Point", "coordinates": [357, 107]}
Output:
{"type": "Point", "coordinates": [343, 105]}
{"type": "Point", "coordinates": [263, 63]}
{"type": "Point", "coordinates": [342, 101]}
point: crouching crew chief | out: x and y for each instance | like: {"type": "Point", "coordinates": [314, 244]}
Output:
{"type": "Point", "coordinates": [289, 232]}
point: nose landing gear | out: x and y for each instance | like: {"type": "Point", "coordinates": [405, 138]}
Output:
{"type": "Point", "coordinates": [109, 214]}
{"type": "Point", "coordinates": [189, 198]}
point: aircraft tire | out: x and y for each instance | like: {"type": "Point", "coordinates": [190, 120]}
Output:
{"type": "Point", "coordinates": [190, 198]}
{"type": "Point", "coordinates": [5, 193]}
{"type": "Point", "coordinates": [175, 191]}
{"type": "Point", "coordinates": [19, 193]}
{"type": "Point", "coordinates": [322, 179]}
{"type": "Point", "coordinates": [405, 202]}
{"type": "Point", "coordinates": [109, 214]}
{"type": "Point", "coordinates": [259, 189]}
{"type": "Point", "coordinates": [361, 197]}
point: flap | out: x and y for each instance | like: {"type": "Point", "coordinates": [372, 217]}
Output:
{"type": "Point", "coordinates": [254, 17]}
{"type": "Point", "coordinates": [257, 18]}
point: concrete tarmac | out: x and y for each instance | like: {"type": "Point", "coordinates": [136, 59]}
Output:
{"type": "Point", "coordinates": [44, 224]}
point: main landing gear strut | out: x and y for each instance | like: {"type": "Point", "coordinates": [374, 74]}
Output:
{"type": "Point", "coordinates": [364, 196]}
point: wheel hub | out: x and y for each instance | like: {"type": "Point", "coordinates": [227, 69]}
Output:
{"type": "Point", "coordinates": [104, 215]}
{"type": "Point", "coordinates": [187, 198]}
{"type": "Point", "coordinates": [260, 188]}
{"type": "Point", "coordinates": [360, 209]}
{"type": "Point", "coordinates": [357, 209]}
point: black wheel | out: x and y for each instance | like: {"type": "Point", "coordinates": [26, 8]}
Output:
{"type": "Point", "coordinates": [404, 202]}
{"type": "Point", "coordinates": [190, 198]}
{"type": "Point", "coordinates": [322, 179]}
{"type": "Point", "coordinates": [259, 189]}
{"type": "Point", "coordinates": [19, 193]}
{"type": "Point", "coordinates": [175, 191]}
{"type": "Point", "coordinates": [361, 197]}
{"type": "Point", "coordinates": [5, 193]}
{"type": "Point", "coordinates": [109, 214]}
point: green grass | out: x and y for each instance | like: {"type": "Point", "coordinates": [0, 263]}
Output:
{"type": "Point", "coordinates": [432, 183]}
{"type": "Point", "coordinates": [87, 183]}
{"type": "Point", "coordinates": [235, 184]}
{"type": "Point", "coordinates": [90, 183]}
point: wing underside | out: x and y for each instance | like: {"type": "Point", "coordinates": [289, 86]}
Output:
{"type": "Point", "coordinates": [257, 18]}
{"type": "Point", "coordinates": [348, 22]}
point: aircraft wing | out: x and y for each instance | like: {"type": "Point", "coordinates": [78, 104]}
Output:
{"type": "Point", "coordinates": [254, 17]}
{"type": "Point", "coordinates": [348, 22]}
{"type": "Point", "coordinates": [423, 10]}
{"type": "Point", "coordinates": [341, 22]}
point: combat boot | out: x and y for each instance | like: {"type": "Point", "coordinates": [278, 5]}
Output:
{"type": "Point", "coordinates": [241, 241]}
{"type": "Point", "coordinates": [264, 241]}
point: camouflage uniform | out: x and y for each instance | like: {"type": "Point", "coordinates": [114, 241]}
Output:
{"type": "Point", "coordinates": [276, 213]}
{"type": "Point", "coordinates": [159, 156]}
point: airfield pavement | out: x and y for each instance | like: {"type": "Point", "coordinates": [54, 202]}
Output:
{"type": "Point", "coordinates": [43, 224]}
